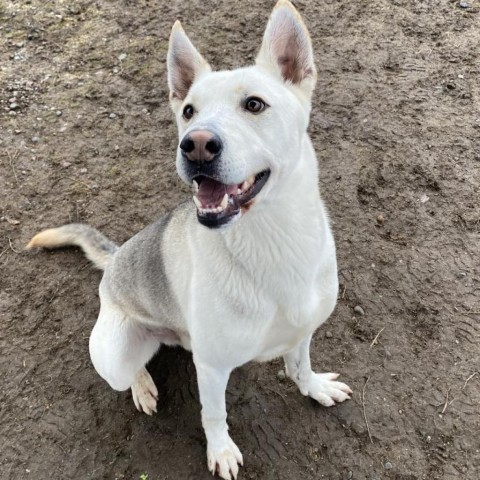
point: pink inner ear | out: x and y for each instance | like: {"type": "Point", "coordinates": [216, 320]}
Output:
{"type": "Point", "coordinates": [288, 44]}
{"type": "Point", "coordinates": [183, 75]}
{"type": "Point", "coordinates": [289, 63]}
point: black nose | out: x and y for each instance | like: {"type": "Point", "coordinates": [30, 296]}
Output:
{"type": "Point", "coordinates": [201, 146]}
{"type": "Point", "coordinates": [187, 145]}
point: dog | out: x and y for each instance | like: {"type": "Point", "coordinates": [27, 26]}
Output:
{"type": "Point", "coordinates": [247, 270]}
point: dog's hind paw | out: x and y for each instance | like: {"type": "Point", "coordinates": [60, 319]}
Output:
{"type": "Point", "coordinates": [145, 393]}
{"type": "Point", "coordinates": [225, 461]}
{"type": "Point", "coordinates": [324, 388]}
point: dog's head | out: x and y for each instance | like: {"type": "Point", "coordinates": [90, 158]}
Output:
{"type": "Point", "coordinates": [241, 131]}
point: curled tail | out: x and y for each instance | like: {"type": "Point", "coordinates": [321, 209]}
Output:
{"type": "Point", "coordinates": [98, 248]}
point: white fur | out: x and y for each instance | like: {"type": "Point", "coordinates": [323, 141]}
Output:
{"type": "Point", "coordinates": [258, 288]}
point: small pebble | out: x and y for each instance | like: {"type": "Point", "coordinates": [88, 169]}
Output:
{"type": "Point", "coordinates": [463, 4]}
{"type": "Point", "coordinates": [380, 218]}
{"type": "Point", "coordinates": [66, 164]}
{"type": "Point", "coordinates": [359, 310]}
{"type": "Point", "coordinates": [387, 466]}
{"type": "Point", "coordinates": [281, 375]}
{"type": "Point", "coordinates": [14, 106]}
{"type": "Point", "coordinates": [122, 56]}
{"type": "Point", "coordinates": [349, 475]}
{"type": "Point", "coordinates": [461, 274]}
{"type": "Point", "coordinates": [83, 170]}
{"type": "Point", "coordinates": [58, 113]}
{"type": "Point", "coordinates": [328, 334]}
{"type": "Point", "coordinates": [112, 115]}
{"type": "Point", "coordinates": [35, 139]}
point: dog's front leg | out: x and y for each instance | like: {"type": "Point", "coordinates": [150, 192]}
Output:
{"type": "Point", "coordinates": [222, 453]}
{"type": "Point", "coordinates": [323, 387]}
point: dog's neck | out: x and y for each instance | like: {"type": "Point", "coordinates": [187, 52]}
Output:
{"type": "Point", "coordinates": [288, 228]}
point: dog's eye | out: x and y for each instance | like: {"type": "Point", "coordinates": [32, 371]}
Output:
{"type": "Point", "coordinates": [188, 112]}
{"type": "Point", "coordinates": [254, 105]}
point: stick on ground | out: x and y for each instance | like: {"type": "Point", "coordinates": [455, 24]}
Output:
{"type": "Point", "coordinates": [364, 412]}
{"type": "Point", "coordinates": [376, 338]}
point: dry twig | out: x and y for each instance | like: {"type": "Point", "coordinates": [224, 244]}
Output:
{"type": "Point", "coordinates": [376, 338]}
{"type": "Point", "coordinates": [446, 402]}
{"type": "Point", "coordinates": [76, 180]}
{"type": "Point", "coordinates": [364, 412]}
{"type": "Point", "coordinates": [468, 379]}
{"type": "Point", "coordinates": [11, 246]}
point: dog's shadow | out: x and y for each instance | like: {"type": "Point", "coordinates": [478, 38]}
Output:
{"type": "Point", "coordinates": [173, 372]}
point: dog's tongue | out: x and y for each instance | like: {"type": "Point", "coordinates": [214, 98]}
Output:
{"type": "Point", "coordinates": [211, 193]}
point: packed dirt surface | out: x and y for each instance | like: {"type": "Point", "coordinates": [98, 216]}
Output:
{"type": "Point", "coordinates": [87, 135]}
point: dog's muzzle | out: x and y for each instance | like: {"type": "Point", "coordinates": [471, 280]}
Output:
{"type": "Point", "coordinates": [219, 203]}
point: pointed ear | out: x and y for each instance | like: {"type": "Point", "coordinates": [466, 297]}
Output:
{"type": "Point", "coordinates": [286, 47]}
{"type": "Point", "coordinates": [184, 63]}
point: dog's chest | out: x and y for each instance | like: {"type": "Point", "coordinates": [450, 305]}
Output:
{"type": "Point", "coordinates": [284, 332]}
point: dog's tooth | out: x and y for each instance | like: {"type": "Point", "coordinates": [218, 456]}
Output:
{"type": "Point", "coordinates": [197, 202]}
{"type": "Point", "coordinates": [224, 203]}
{"type": "Point", "coordinates": [248, 183]}
{"type": "Point", "coordinates": [240, 190]}
{"type": "Point", "coordinates": [195, 186]}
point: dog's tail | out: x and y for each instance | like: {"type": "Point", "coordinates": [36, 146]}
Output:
{"type": "Point", "coordinates": [98, 248]}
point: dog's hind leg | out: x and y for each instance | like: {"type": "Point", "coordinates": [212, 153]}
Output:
{"type": "Point", "coordinates": [322, 387]}
{"type": "Point", "coordinates": [119, 348]}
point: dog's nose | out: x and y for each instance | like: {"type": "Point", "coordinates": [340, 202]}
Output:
{"type": "Point", "coordinates": [200, 146]}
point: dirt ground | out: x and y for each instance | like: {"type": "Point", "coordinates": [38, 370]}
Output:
{"type": "Point", "coordinates": [86, 135]}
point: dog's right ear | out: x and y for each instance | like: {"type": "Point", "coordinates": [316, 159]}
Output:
{"type": "Point", "coordinates": [184, 63]}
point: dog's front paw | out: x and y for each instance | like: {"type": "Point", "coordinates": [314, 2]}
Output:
{"type": "Point", "coordinates": [224, 460]}
{"type": "Point", "coordinates": [145, 393]}
{"type": "Point", "coordinates": [324, 388]}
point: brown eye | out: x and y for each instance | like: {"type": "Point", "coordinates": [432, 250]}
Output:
{"type": "Point", "coordinates": [254, 105]}
{"type": "Point", "coordinates": [188, 112]}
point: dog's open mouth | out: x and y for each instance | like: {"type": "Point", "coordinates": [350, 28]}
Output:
{"type": "Point", "coordinates": [217, 203]}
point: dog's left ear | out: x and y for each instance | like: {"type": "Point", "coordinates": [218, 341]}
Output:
{"type": "Point", "coordinates": [287, 49]}
{"type": "Point", "coordinates": [184, 64]}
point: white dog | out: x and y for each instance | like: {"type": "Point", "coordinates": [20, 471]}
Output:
{"type": "Point", "coordinates": [245, 272]}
